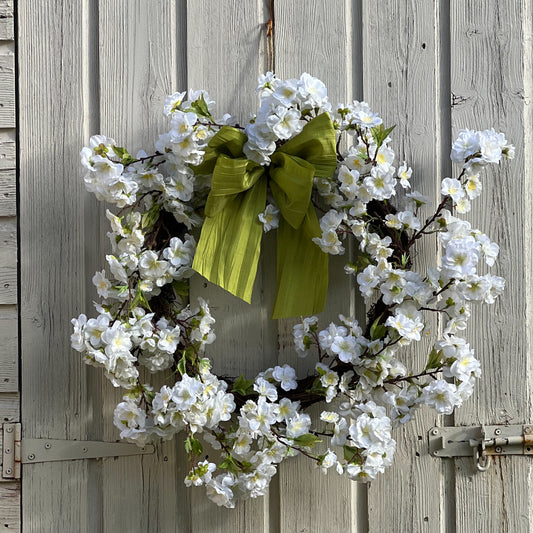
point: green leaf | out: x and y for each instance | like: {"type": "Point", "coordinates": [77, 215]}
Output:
{"type": "Point", "coordinates": [307, 342]}
{"type": "Point", "coordinates": [230, 465]}
{"type": "Point", "coordinates": [434, 359]}
{"type": "Point", "coordinates": [350, 453]}
{"type": "Point", "coordinates": [193, 445]}
{"type": "Point", "coordinates": [321, 371]}
{"type": "Point", "coordinates": [243, 386]}
{"type": "Point", "coordinates": [122, 289]}
{"type": "Point", "coordinates": [204, 365]}
{"type": "Point", "coordinates": [190, 353]}
{"type": "Point", "coordinates": [307, 441]}
{"type": "Point", "coordinates": [139, 299]}
{"type": "Point", "coordinates": [126, 158]}
{"type": "Point", "coordinates": [150, 217]}
{"type": "Point", "coordinates": [380, 133]}
{"type": "Point", "coordinates": [181, 288]}
{"type": "Point", "coordinates": [317, 387]}
{"type": "Point", "coordinates": [377, 330]}
{"type": "Point", "coordinates": [200, 108]}
{"type": "Point", "coordinates": [182, 365]}
{"type": "Point", "coordinates": [362, 261]}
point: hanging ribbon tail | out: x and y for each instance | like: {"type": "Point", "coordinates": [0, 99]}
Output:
{"type": "Point", "coordinates": [302, 269]}
{"type": "Point", "coordinates": [228, 250]}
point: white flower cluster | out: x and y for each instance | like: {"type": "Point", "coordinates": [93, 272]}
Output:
{"type": "Point", "coordinates": [286, 106]}
{"type": "Point", "coordinates": [166, 177]}
{"type": "Point", "coordinates": [356, 195]}
{"type": "Point", "coordinates": [146, 325]}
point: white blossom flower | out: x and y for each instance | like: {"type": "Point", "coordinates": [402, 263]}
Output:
{"type": "Point", "coordinates": [269, 217]}
{"type": "Point", "coordinates": [285, 376]}
{"type": "Point", "coordinates": [441, 396]}
{"type": "Point", "coordinates": [452, 188]}
{"type": "Point", "coordinates": [404, 175]}
{"type": "Point", "coordinates": [266, 389]}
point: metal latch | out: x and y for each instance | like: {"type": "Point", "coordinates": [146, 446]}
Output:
{"type": "Point", "coordinates": [16, 450]}
{"type": "Point", "coordinates": [480, 442]}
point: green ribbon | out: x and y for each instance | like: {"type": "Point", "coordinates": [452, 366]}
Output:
{"type": "Point", "coordinates": [228, 250]}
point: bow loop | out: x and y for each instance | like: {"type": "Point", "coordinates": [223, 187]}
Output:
{"type": "Point", "coordinates": [230, 178]}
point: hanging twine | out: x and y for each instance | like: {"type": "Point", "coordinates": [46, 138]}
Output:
{"type": "Point", "coordinates": [270, 37]}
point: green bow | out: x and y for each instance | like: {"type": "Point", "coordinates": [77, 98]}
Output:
{"type": "Point", "coordinates": [228, 250]}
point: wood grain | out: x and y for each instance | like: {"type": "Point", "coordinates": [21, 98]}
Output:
{"type": "Point", "coordinates": [403, 81]}
{"type": "Point", "coordinates": [6, 20]}
{"type": "Point", "coordinates": [224, 40]}
{"type": "Point", "coordinates": [9, 363]}
{"type": "Point", "coordinates": [7, 90]}
{"type": "Point", "coordinates": [8, 194]}
{"type": "Point", "coordinates": [106, 67]}
{"type": "Point", "coordinates": [10, 508]}
{"type": "Point", "coordinates": [7, 149]}
{"type": "Point", "coordinates": [51, 50]}
{"type": "Point", "coordinates": [8, 261]}
{"type": "Point", "coordinates": [318, 38]}
{"type": "Point", "coordinates": [491, 75]}
{"type": "Point", "coordinates": [10, 492]}
{"type": "Point", "coordinates": [141, 49]}
{"type": "Point", "coordinates": [9, 407]}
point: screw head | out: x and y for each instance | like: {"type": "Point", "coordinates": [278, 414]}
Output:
{"type": "Point", "coordinates": [528, 429]}
{"type": "Point", "coordinates": [31, 457]}
{"type": "Point", "coordinates": [497, 431]}
{"type": "Point", "coordinates": [498, 449]}
{"type": "Point", "coordinates": [8, 471]}
{"type": "Point", "coordinates": [84, 449]}
{"type": "Point", "coordinates": [47, 445]}
{"type": "Point", "coordinates": [9, 429]}
{"type": "Point", "coordinates": [435, 431]}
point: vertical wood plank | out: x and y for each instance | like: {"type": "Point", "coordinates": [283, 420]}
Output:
{"type": "Point", "coordinates": [10, 508]}
{"type": "Point", "coordinates": [9, 407]}
{"type": "Point", "coordinates": [140, 60]}
{"type": "Point", "coordinates": [9, 363]}
{"type": "Point", "coordinates": [7, 89]}
{"type": "Point", "coordinates": [52, 275]}
{"type": "Point", "coordinates": [224, 41]}
{"type": "Point", "coordinates": [10, 492]}
{"type": "Point", "coordinates": [7, 149]}
{"type": "Point", "coordinates": [321, 39]}
{"type": "Point", "coordinates": [8, 195]}
{"type": "Point", "coordinates": [491, 84]}
{"type": "Point", "coordinates": [402, 68]}
{"type": "Point", "coordinates": [8, 262]}
{"type": "Point", "coordinates": [6, 20]}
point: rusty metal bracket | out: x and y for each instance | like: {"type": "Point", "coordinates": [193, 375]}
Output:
{"type": "Point", "coordinates": [481, 442]}
{"type": "Point", "coordinates": [10, 452]}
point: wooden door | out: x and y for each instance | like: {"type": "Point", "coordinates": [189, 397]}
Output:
{"type": "Point", "coordinates": [431, 68]}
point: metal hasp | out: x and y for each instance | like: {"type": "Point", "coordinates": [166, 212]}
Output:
{"type": "Point", "coordinates": [480, 442]}
{"type": "Point", "coordinates": [27, 451]}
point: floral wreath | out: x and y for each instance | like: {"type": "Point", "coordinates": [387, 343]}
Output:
{"type": "Point", "coordinates": [236, 183]}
